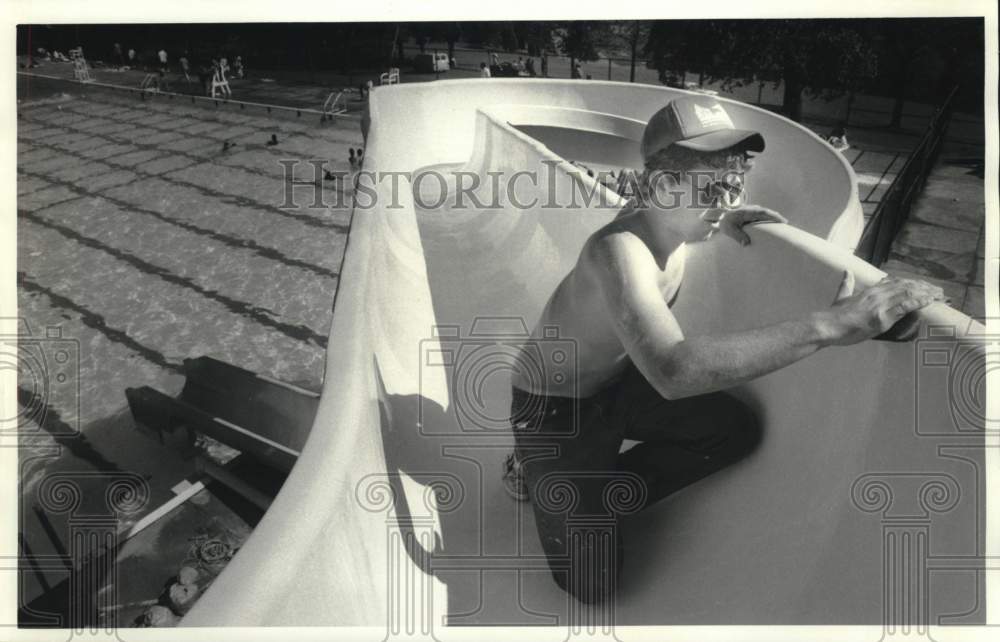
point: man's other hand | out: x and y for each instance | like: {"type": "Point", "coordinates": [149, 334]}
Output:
{"type": "Point", "coordinates": [732, 221]}
{"type": "Point", "coordinates": [856, 317]}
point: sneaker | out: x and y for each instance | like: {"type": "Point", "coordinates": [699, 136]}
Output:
{"type": "Point", "coordinates": [513, 479]}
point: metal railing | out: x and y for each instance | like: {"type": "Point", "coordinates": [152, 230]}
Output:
{"type": "Point", "coordinates": [894, 209]}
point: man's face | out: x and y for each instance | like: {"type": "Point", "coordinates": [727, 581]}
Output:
{"type": "Point", "coordinates": [730, 181]}
{"type": "Point", "coordinates": [708, 192]}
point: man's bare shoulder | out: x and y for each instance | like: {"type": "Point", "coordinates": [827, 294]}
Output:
{"type": "Point", "coordinates": [624, 262]}
{"type": "Point", "coordinates": [622, 246]}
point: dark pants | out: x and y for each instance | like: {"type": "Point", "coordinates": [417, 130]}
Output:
{"type": "Point", "coordinates": [580, 485]}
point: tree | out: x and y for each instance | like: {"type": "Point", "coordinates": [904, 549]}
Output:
{"type": "Point", "coordinates": [578, 39]}
{"type": "Point", "coordinates": [493, 35]}
{"type": "Point", "coordinates": [928, 54]}
{"type": "Point", "coordinates": [820, 57]}
{"type": "Point", "coordinates": [629, 37]}
{"type": "Point", "coordinates": [674, 46]}
{"type": "Point", "coordinates": [482, 34]}
{"type": "Point", "coordinates": [398, 38]}
{"type": "Point", "coordinates": [538, 36]}
{"type": "Point", "coordinates": [451, 32]}
{"type": "Point", "coordinates": [508, 37]}
{"type": "Point", "coordinates": [637, 33]}
{"type": "Point", "coordinates": [401, 32]}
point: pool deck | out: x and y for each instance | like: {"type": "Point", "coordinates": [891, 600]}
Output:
{"type": "Point", "coordinates": [943, 241]}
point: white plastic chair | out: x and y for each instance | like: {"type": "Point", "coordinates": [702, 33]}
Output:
{"type": "Point", "coordinates": [220, 83]}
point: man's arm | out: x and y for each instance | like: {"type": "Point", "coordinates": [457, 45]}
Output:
{"type": "Point", "coordinates": [677, 367]}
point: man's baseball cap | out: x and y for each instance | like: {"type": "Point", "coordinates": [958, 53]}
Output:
{"type": "Point", "coordinates": [698, 123]}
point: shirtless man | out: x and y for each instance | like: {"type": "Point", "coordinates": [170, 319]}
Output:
{"type": "Point", "coordinates": [637, 376]}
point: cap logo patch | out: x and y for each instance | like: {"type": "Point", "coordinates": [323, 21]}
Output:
{"type": "Point", "coordinates": [712, 117]}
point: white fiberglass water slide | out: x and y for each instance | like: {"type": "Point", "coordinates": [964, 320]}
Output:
{"type": "Point", "coordinates": [394, 516]}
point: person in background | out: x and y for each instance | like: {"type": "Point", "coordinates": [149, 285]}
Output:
{"type": "Point", "coordinates": [529, 66]}
{"type": "Point", "coordinates": [545, 66]}
{"type": "Point", "coordinates": [360, 157]}
{"type": "Point", "coordinates": [162, 69]}
{"type": "Point", "coordinates": [205, 73]}
{"type": "Point", "coordinates": [238, 67]}
{"type": "Point", "coordinates": [484, 71]}
{"type": "Point", "coordinates": [838, 138]}
{"type": "Point", "coordinates": [215, 75]}
{"type": "Point", "coordinates": [185, 67]}
{"type": "Point", "coordinates": [351, 158]}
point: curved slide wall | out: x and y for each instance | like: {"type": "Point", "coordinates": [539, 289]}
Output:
{"type": "Point", "coordinates": [395, 515]}
{"type": "Point", "coordinates": [798, 174]}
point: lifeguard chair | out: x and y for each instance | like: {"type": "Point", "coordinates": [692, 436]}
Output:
{"type": "Point", "coordinates": [81, 72]}
{"type": "Point", "coordinates": [220, 84]}
{"type": "Point", "coordinates": [334, 105]}
{"type": "Point", "coordinates": [150, 83]}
